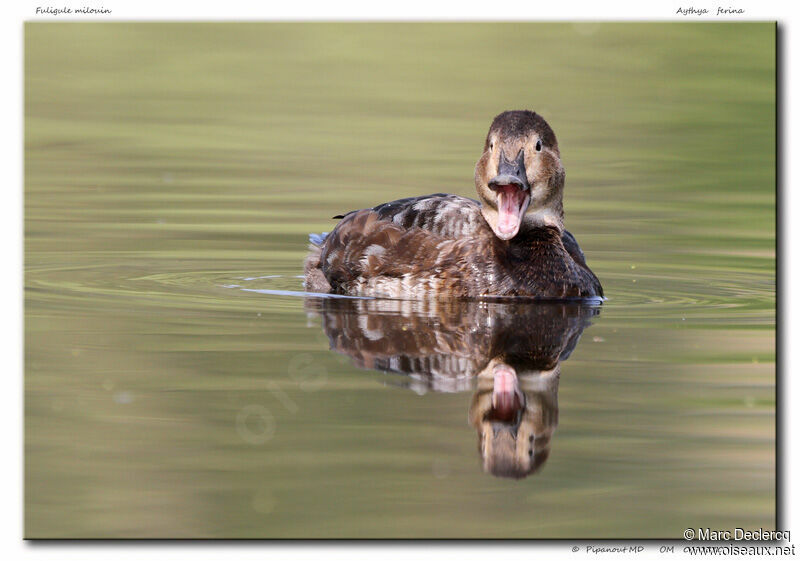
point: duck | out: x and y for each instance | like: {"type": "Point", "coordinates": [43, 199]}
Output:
{"type": "Point", "coordinates": [510, 242]}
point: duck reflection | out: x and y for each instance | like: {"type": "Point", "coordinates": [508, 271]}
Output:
{"type": "Point", "coordinates": [508, 352]}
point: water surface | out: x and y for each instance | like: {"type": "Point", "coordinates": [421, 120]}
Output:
{"type": "Point", "coordinates": [176, 387]}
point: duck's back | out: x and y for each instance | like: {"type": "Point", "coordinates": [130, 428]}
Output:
{"type": "Point", "coordinates": [440, 245]}
{"type": "Point", "coordinates": [449, 216]}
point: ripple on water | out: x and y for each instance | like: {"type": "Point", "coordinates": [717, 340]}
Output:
{"type": "Point", "coordinates": [707, 295]}
{"type": "Point", "coordinates": [719, 296]}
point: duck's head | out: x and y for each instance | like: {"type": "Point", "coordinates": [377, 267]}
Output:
{"type": "Point", "coordinates": [519, 176]}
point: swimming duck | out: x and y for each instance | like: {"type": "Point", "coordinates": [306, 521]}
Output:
{"type": "Point", "coordinates": [511, 242]}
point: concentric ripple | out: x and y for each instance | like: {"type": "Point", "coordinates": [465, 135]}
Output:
{"type": "Point", "coordinates": [706, 295]}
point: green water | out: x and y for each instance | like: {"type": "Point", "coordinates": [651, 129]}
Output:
{"type": "Point", "coordinates": [170, 166]}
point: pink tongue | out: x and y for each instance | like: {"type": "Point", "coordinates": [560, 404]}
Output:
{"type": "Point", "coordinates": [504, 394]}
{"type": "Point", "coordinates": [510, 198]}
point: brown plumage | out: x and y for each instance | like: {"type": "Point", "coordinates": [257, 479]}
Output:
{"type": "Point", "coordinates": [511, 243]}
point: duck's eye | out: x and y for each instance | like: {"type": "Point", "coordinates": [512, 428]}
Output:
{"type": "Point", "coordinates": [491, 146]}
{"type": "Point", "coordinates": [538, 145]}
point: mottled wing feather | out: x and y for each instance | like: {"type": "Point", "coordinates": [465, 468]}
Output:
{"type": "Point", "coordinates": [372, 256]}
{"type": "Point", "coordinates": [450, 216]}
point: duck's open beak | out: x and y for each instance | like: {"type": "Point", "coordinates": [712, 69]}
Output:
{"type": "Point", "coordinates": [513, 194]}
{"type": "Point", "coordinates": [506, 395]}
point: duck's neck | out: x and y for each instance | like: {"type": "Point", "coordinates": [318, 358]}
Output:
{"type": "Point", "coordinates": [546, 217]}
{"type": "Point", "coordinates": [549, 210]}
{"type": "Point", "coordinates": [539, 236]}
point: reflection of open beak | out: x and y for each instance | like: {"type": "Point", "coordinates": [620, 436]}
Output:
{"type": "Point", "coordinates": [507, 397]}
{"type": "Point", "coordinates": [513, 194]}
